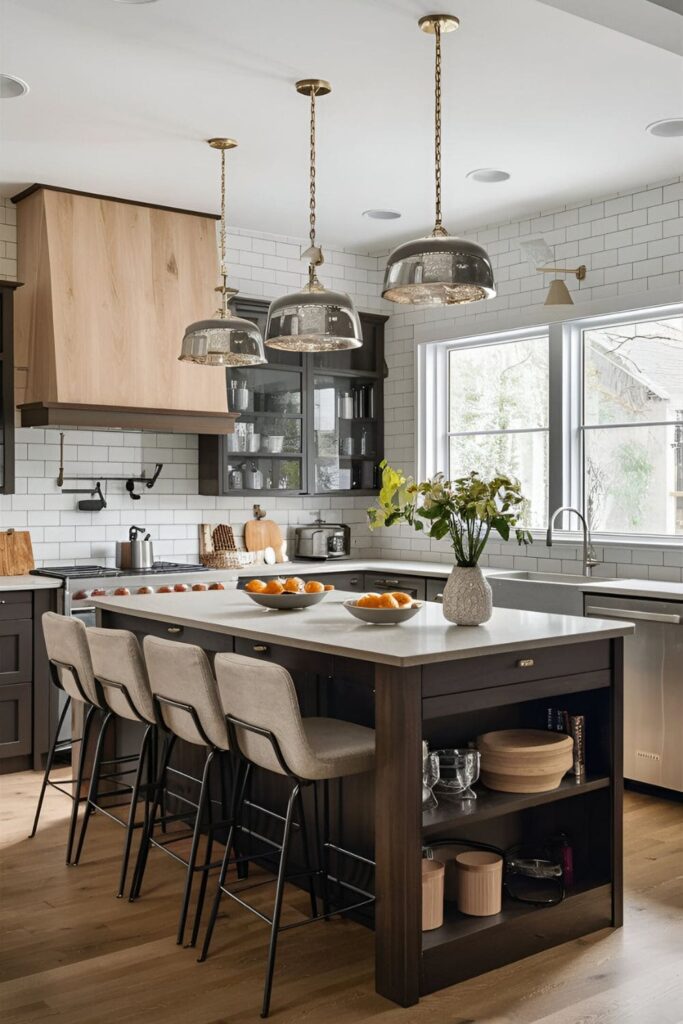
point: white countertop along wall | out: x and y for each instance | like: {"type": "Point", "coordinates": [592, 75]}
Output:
{"type": "Point", "coordinates": [26, 582]}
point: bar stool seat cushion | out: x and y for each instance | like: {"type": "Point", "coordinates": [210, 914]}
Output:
{"type": "Point", "coordinates": [263, 695]}
{"type": "Point", "coordinates": [66, 641]}
{"type": "Point", "coordinates": [117, 658]}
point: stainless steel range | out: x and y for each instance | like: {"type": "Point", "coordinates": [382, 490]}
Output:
{"type": "Point", "coordinates": [83, 582]}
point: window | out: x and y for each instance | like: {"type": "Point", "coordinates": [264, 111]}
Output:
{"type": "Point", "coordinates": [498, 415]}
{"type": "Point", "coordinates": [633, 426]}
{"type": "Point", "coordinates": [587, 413]}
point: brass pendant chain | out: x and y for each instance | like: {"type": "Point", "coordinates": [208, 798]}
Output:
{"type": "Point", "coordinates": [438, 226]}
{"type": "Point", "coordinates": [311, 201]}
{"type": "Point", "coordinates": [223, 241]}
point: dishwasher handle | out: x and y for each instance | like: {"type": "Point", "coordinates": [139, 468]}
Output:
{"type": "Point", "coordinates": [618, 613]}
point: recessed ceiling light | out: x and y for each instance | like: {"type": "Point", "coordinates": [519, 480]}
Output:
{"type": "Point", "coordinates": [11, 87]}
{"type": "Point", "coordinates": [382, 214]}
{"type": "Point", "coordinates": [487, 175]}
{"type": "Point", "coordinates": [669, 128]}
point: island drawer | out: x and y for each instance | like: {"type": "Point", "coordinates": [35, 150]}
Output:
{"type": "Point", "coordinates": [16, 605]}
{"type": "Point", "coordinates": [292, 658]}
{"type": "Point", "coordinates": [515, 667]}
{"type": "Point", "coordinates": [209, 641]}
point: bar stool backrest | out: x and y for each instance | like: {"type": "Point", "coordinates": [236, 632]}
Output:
{"type": "Point", "coordinates": [263, 695]}
{"type": "Point", "coordinates": [66, 642]}
{"type": "Point", "coordinates": [117, 658]}
{"type": "Point", "coordinates": [181, 673]}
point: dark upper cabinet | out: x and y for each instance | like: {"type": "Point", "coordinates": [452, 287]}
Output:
{"type": "Point", "coordinates": [7, 386]}
{"type": "Point", "coordinates": [308, 424]}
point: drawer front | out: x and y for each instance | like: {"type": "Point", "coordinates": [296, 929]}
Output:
{"type": "Point", "coordinates": [515, 667]}
{"type": "Point", "coordinates": [205, 639]}
{"type": "Point", "coordinates": [16, 651]}
{"type": "Point", "coordinates": [434, 589]}
{"type": "Point", "coordinates": [292, 658]}
{"type": "Point", "coordinates": [15, 720]}
{"type": "Point", "coordinates": [379, 583]}
{"type": "Point", "coordinates": [17, 605]}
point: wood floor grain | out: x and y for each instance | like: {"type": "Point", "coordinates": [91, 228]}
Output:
{"type": "Point", "coordinates": [70, 952]}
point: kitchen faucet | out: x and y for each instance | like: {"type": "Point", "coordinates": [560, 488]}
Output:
{"type": "Point", "coordinates": [589, 559]}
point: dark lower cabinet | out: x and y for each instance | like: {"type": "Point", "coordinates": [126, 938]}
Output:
{"type": "Point", "coordinates": [379, 583]}
{"type": "Point", "coordinates": [28, 705]}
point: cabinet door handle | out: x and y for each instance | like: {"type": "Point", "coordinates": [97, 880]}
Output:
{"type": "Point", "coordinates": [525, 663]}
{"type": "Point", "coordinates": [260, 648]}
{"type": "Point", "coordinates": [174, 629]}
{"type": "Point", "coordinates": [352, 582]}
{"type": "Point", "coordinates": [3, 602]}
{"type": "Point", "coordinates": [387, 583]}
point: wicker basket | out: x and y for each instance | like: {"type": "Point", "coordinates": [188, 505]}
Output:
{"type": "Point", "coordinates": [228, 559]}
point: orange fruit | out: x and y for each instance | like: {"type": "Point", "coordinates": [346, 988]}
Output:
{"type": "Point", "coordinates": [329, 586]}
{"type": "Point", "coordinates": [273, 587]}
{"type": "Point", "coordinates": [404, 600]}
{"type": "Point", "coordinates": [255, 586]}
{"type": "Point", "coordinates": [388, 601]}
{"type": "Point", "coordinates": [313, 587]}
{"type": "Point", "coordinates": [368, 601]}
{"type": "Point", "coordinates": [293, 585]}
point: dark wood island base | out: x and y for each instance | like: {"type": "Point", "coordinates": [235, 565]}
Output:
{"type": "Point", "coordinates": [447, 701]}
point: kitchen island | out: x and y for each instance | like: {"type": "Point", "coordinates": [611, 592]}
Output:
{"type": "Point", "coordinates": [430, 680]}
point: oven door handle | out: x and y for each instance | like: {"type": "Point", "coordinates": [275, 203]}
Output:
{"type": "Point", "coordinates": [82, 608]}
{"type": "Point", "coordinates": [618, 613]}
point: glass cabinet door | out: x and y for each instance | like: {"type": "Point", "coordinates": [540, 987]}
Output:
{"type": "Point", "coordinates": [344, 433]}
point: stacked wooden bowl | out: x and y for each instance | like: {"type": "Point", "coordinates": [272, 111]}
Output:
{"type": "Point", "coordinates": [524, 760]}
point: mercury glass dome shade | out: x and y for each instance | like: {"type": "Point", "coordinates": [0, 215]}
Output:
{"type": "Point", "coordinates": [313, 320]}
{"type": "Point", "coordinates": [438, 270]}
{"type": "Point", "coordinates": [223, 341]}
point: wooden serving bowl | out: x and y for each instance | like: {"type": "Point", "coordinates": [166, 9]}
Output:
{"type": "Point", "coordinates": [524, 760]}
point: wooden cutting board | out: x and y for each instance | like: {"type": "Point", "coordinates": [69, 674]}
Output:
{"type": "Point", "coordinates": [263, 533]}
{"type": "Point", "coordinates": [16, 553]}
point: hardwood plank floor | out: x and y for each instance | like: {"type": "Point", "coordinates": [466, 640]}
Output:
{"type": "Point", "coordinates": [71, 952]}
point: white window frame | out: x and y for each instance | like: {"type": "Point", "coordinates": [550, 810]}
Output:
{"type": "Point", "coordinates": [565, 413]}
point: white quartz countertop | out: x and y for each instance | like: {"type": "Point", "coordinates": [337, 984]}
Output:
{"type": "Point", "coordinates": [395, 567]}
{"type": "Point", "coordinates": [658, 589]}
{"type": "Point", "coordinates": [28, 582]}
{"type": "Point", "coordinates": [330, 629]}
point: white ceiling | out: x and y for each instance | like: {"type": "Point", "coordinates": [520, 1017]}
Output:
{"type": "Point", "coordinates": [122, 96]}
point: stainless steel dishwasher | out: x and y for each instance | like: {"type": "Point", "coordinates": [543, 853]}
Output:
{"type": "Point", "coordinates": [653, 686]}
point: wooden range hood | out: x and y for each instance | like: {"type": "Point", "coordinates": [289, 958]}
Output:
{"type": "Point", "coordinates": [110, 286]}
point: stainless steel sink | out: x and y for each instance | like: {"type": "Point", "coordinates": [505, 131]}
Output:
{"type": "Point", "coordinates": [569, 579]}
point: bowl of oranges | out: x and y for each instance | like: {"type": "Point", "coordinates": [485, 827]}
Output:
{"type": "Point", "coordinates": [387, 609]}
{"type": "Point", "coordinates": [287, 594]}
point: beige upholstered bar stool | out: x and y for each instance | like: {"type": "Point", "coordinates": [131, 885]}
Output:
{"type": "Point", "coordinates": [188, 707]}
{"type": "Point", "coordinates": [71, 672]}
{"type": "Point", "coordinates": [266, 728]}
{"type": "Point", "coordinates": [120, 672]}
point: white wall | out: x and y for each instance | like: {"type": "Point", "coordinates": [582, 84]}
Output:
{"type": "Point", "coordinates": [632, 245]}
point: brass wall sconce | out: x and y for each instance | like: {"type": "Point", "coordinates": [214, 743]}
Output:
{"type": "Point", "coordinates": [558, 293]}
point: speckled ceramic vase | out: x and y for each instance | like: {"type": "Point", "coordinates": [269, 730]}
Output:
{"type": "Point", "coordinates": [467, 598]}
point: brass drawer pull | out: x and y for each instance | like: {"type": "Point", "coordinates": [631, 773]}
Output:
{"type": "Point", "coordinates": [525, 663]}
{"type": "Point", "coordinates": [260, 648]}
{"type": "Point", "coordinates": [174, 629]}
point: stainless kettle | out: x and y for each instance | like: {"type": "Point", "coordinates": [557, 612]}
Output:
{"type": "Point", "coordinates": [134, 553]}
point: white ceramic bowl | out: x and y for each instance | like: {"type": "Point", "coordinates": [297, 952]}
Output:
{"type": "Point", "coordinates": [286, 602]}
{"type": "Point", "coordinates": [383, 616]}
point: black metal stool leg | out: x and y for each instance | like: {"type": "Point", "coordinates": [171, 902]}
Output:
{"type": "Point", "coordinates": [277, 908]}
{"type": "Point", "coordinates": [324, 849]}
{"type": "Point", "coordinates": [189, 877]}
{"type": "Point", "coordinates": [148, 832]}
{"type": "Point", "coordinates": [48, 766]}
{"type": "Point", "coordinates": [303, 831]}
{"type": "Point", "coordinates": [93, 789]}
{"type": "Point", "coordinates": [145, 754]}
{"type": "Point", "coordinates": [207, 857]}
{"type": "Point", "coordinates": [89, 715]}
{"type": "Point", "coordinates": [239, 788]}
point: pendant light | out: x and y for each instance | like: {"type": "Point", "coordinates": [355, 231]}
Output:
{"type": "Point", "coordinates": [313, 319]}
{"type": "Point", "coordinates": [226, 339]}
{"type": "Point", "coordinates": [440, 269]}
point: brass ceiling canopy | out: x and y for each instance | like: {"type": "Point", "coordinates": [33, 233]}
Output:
{"type": "Point", "coordinates": [313, 319]}
{"type": "Point", "coordinates": [440, 269]}
{"type": "Point", "coordinates": [224, 339]}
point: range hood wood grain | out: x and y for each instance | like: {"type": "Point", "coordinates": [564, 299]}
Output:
{"type": "Point", "coordinates": [110, 287]}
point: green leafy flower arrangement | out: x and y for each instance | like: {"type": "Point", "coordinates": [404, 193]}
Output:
{"type": "Point", "coordinates": [468, 509]}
